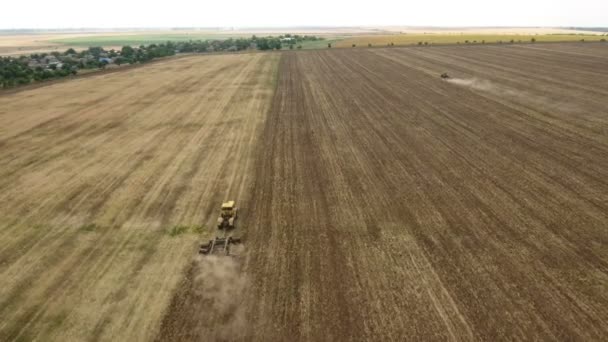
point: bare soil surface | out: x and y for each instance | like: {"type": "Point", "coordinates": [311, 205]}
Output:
{"type": "Point", "coordinates": [392, 205]}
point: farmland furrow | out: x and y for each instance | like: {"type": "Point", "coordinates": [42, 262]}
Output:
{"type": "Point", "coordinates": [454, 215]}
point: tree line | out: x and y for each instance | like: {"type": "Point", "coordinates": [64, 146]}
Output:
{"type": "Point", "coordinates": [36, 67]}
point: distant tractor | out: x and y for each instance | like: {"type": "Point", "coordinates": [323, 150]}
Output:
{"type": "Point", "coordinates": [445, 76]}
{"type": "Point", "coordinates": [227, 216]}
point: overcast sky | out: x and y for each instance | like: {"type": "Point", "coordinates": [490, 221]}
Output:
{"type": "Point", "coordinates": [277, 13]}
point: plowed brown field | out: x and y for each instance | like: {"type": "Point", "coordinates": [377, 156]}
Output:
{"type": "Point", "coordinates": [392, 205]}
{"type": "Point", "coordinates": [378, 201]}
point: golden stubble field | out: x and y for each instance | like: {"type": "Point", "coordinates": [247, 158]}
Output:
{"type": "Point", "coordinates": [106, 183]}
{"type": "Point", "coordinates": [25, 44]}
{"type": "Point", "coordinates": [482, 37]}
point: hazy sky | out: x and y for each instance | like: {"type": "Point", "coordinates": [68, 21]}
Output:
{"type": "Point", "coordinates": [269, 13]}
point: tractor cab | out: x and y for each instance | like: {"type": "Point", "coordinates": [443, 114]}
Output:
{"type": "Point", "coordinates": [227, 215]}
{"type": "Point", "coordinates": [227, 209]}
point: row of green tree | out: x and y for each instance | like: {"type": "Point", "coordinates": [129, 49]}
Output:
{"type": "Point", "coordinates": [43, 66]}
{"type": "Point", "coordinates": [15, 72]}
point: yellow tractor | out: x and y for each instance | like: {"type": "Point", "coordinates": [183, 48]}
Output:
{"type": "Point", "coordinates": [227, 216]}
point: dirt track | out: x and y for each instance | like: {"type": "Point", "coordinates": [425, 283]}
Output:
{"type": "Point", "coordinates": [391, 205]}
